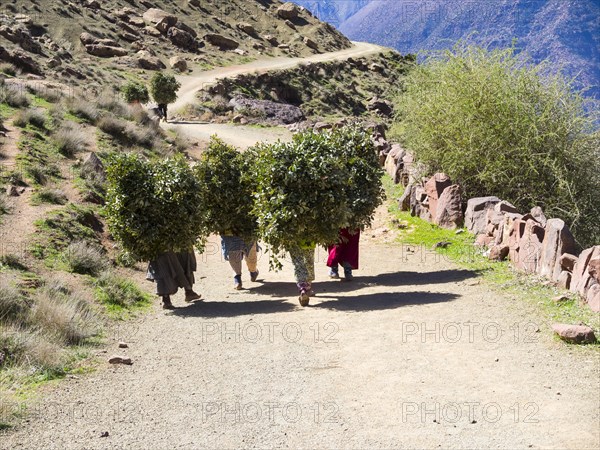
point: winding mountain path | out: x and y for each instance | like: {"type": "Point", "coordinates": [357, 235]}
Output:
{"type": "Point", "coordinates": [415, 353]}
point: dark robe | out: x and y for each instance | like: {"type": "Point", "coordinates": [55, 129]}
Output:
{"type": "Point", "coordinates": [172, 271]}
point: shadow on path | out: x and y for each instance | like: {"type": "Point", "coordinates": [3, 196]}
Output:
{"type": "Point", "coordinates": [383, 300]}
{"type": "Point", "coordinates": [233, 309]}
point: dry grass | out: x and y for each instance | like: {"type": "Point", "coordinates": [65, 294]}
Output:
{"type": "Point", "coordinates": [84, 258]}
{"type": "Point", "coordinates": [13, 305]}
{"type": "Point", "coordinates": [31, 116]}
{"type": "Point", "coordinates": [13, 96]}
{"type": "Point", "coordinates": [51, 196]}
{"type": "Point", "coordinates": [84, 110]}
{"type": "Point", "coordinates": [70, 139]}
{"type": "Point", "coordinates": [128, 133]}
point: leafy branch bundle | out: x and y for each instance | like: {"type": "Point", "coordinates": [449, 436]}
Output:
{"type": "Point", "coordinates": [227, 195]}
{"type": "Point", "coordinates": [154, 207]}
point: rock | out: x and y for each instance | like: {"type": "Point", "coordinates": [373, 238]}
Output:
{"type": "Point", "coordinates": [237, 118]}
{"type": "Point", "coordinates": [498, 252]}
{"type": "Point", "coordinates": [434, 188]}
{"type": "Point", "coordinates": [290, 24]}
{"type": "Point", "coordinates": [594, 269]}
{"type": "Point", "coordinates": [320, 126]}
{"type": "Point", "coordinates": [560, 299]}
{"type": "Point", "coordinates": [491, 229]}
{"type": "Point", "coordinates": [476, 213]}
{"type": "Point", "coordinates": [93, 167]}
{"type": "Point", "coordinates": [92, 4]}
{"type": "Point", "coordinates": [593, 298]}
{"type": "Point", "coordinates": [530, 247]}
{"type": "Point", "coordinates": [239, 51]}
{"type": "Point", "coordinates": [218, 40]}
{"type": "Point", "coordinates": [404, 200]}
{"type": "Point", "coordinates": [376, 68]}
{"type": "Point", "coordinates": [310, 43]}
{"type": "Point", "coordinates": [21, 60]}
{"type": "Point", "coordinates": [116, 359]}
{"type": "Point", "coordinates": [246, 28]}
{"type": "Point", "coordinates": [12, 191]}
{"type": "Point", "coordinates": [88, 39]}
{"type": "Point", "coordinates": [287, 11]}
{"type": "Point", "coordinates": [146, 61]}
{"type": "Point", "coordinates": [182, 39]}
{"type": "Point", "coordinates": [178, 63]}
{"type": "Point", "coordinates": [483, 240]}
{"type": "Point", "coordinates": [283, 47]}
{"type": "Point", "coordinates": [123, 345]}
{"type": "Point", "coordinates": [505, 207]}
{"type": "Point", "coordinates": [582, 280]}
{"type": "Point", "coordinates": [152, 31]}
{"type": "Point", "coordinates": [53, 62]}
{"type": "Point", "coordinates": [381, 107]}
{"type": "Point", "coordinates": [136, 21]}
{"type": "Point", "coordinates": [576, 334]}
{"type": "Point", "coordinates": [564, 280]}
{"type": "Point", "coordinates": [280, 113]}
{"type": "Point", "coordinates": [448, 211]}
{"type": "Point", "coordinates": [21, 36]}
{"type": "Point", "coordinates": [185, 27]}
{"type": "Point", "coordinates": [271, 40]}
{"type": "Point", "coordinates": [538, 214]}
{"type": "Point", "coordinates": [558, 240]}
{"type": "Point", "coordinates": [104, 48]}
{"type": "Point", "coordinates": [159, 19]}
{"type": "Point", "coordinates": [567, 262]}
{"type": "Point", "coordinates": [394, 158]}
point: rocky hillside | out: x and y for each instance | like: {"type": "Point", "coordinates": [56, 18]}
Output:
{"type": "Point", "coordinates": [564, 31]}
{"type": "Point", "coordinates": [334, 12]}
{"type": "Point", "coordinates": [89, 42]}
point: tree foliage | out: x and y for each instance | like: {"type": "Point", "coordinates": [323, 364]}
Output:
{"type": "Point", "coordinates": [164, 88]}
{"type": "Point", "coordinates": [227, 194]}
{"type": "Point", "coordinates": [135, 92]}
{"type": "Point", "coordinates": [153, 207]}
{"type": "Point", "coordinates": [500, 126]}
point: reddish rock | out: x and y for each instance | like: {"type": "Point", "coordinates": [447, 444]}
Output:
{"type": "Point", "coordinates": [116, 359]}
{"type": "Point", "coordinates": [593, 298]}
{"type": "Point", "coordinates": [483, 240]}
{"type": "Point", "coordinates": [499, 252]}
{"type": "Point", "coordinates": [516, 231]}
{"type": "Point", "coordinates": [564, 280]}
{"type": "Point", "coordinates": [491, 229]}
{"type": "Point", "coordinates": [530, 247]}
{"type": "Point", "coordinates": [594, 269]}
{"type": "Point", "coordinates": [582, 280]}
{"type": "Point", "coordinates": [449, 208]}
{"type": "Point", "coordinates": [505, 207]}
{"type": "Point", "coordinates": [393, 162]}
{"type": "Point", "coordinates": [434, 188]}
{"type": "Point", "coordinates": [476, 213]}
{"type": "Point", "coordinates": [538, 215]}
{"type": "Point", "coordinates": [567, 262]}
{"type": "Point", "coordinates": [576, 334]}
{"type": "Point", "coordinates": [558, 240]}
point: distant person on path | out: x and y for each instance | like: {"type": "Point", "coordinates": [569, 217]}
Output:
{"type": "Point", "coordinates": [162, 111]}
{"type": "Point", "coordinates": [303, 259]}
{"type": "Point", "coordinates": [171, 271]}
{"type": "Point", "coordinates": [344, 253]}
{"type": "Point", "coordinates": [235, 249]}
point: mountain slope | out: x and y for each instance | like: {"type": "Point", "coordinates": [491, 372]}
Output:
{"type": "Point", "coordinates": [567, 32]}
{"type": "Point", "coordinates": [334, 12]}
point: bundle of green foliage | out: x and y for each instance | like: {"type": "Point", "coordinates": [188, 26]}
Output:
{"type": "Point", "coordinates": [227, 195]}
{"type": "Point", "coordinates": [164, 88]}
{"type": "Point", "coordinates": [500, 126]}
{"type": "Point", "coordinates": [310, 188]}
{"type": "Point", "coordinates": [153, 207]}
{"type": "Point", "coordinates": [134, 92]}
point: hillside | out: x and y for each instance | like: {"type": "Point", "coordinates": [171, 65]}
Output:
{"type": "Point", "coordinates": [334, 12]}
{"type": "Point", "coordinates": [564, 31]}
{"type": "Point", "coordinates": [89, 42]}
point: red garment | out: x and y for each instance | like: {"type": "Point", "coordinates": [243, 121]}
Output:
{"type": "Point", "coordinates": [346, 251]}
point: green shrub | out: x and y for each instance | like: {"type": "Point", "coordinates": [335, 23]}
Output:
{"type": "Point", "coordinates": [164, 88]}
{"type": "Point", "coordinates": [501, 127]}
{"type": "Point", "coordinates": [84, 258]}
{"type": "Point", "coordinates": [153, 208]}
{"type": "Point", "coordinates": [112, 289]}
{"type": "Point", "coordinates": [70, 139]}
{"type": "Point", "coordinates": [51, 196]}
{"type": "Point", "coordinates": [135, 92]}
{"type": "Point", "coordinates": [227, 196]}
{"type": "Point", "coordinates": [32, 116]}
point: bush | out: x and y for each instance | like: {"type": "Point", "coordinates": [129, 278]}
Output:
{"type": "Point", "coordinates": [113, 126]}
{"type": "Point", "coordinates": [128, 133]}
{"type": "Point", "coordinates": [13, 305]}
{"type": "Point", "coordinates": [52, 196]}
{"type": "Point", "coordinates": [12, 261]}
{"type": "Point", "coordinates": [30, 349]}
{"type": "Point", "coordinates": [164, 88]}
{"type": "Point", "coordinates": [84, 258]}
{"type": "Point", "coordinates": [70, 139]}
{"type": "Point", "coordinates": [135, 92]}
{"type": "Point", "coordinates": [501, 127]}
{"type": "Point", "coordinates": [13, 96]}
{"type": "Point", "coordinates": [153, 208]}
{"type": "Point", "coordinates": [84, 110]}
{"type": "Point", "coordinates": [32, 116]}
{"type": "Point", "coordinates": [226, 196]}
{"type": "Point", "coordinates": [112, 289]}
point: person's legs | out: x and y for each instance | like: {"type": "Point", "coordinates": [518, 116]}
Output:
{"type": "Point", "coordinates": [251, 262]}
{"type": "Point", "coordinates": [235, 261]}
{"type": "Point", "coordinates": [166, 302]}
{"type": "Point", "coordinates": [304, 271]}
{"type": "Point", "coordinates": [348, 271]}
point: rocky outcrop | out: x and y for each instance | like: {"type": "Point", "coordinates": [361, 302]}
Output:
{"type": "Point", "coordinates": [280, 113]}
{"type": "Point", "coordinates": [21, 36]}
{"type": "Point", "coordinates": [20, 60]}
{"type": "Point", "coordinates": [558, 240]}
{"type": "Point", "coordinates": [287, 11]}
{"type": "Point", "coordinates": [310, 43]}
{"type": "Point", "coordinates": [223, 42]}
{"type": "Point", "coordinates": [182, 39]}
{"type": "Point", "coordinates": [246, 28]}
{"type": "Point", "coordinates": [476, 213]}
{"type": "Point", "coordinates": [178, 63]}
{"type": "Point", "coordinates": [381, 107]}
{"type": "Point", "coordinates": [147, 61]}
{"type": "Point", "coordinates": [104, 48]}
{"type": "Point", "coordinates": [159, 19]}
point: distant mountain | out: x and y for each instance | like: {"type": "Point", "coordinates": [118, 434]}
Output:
{"type": "Point", "coordinates": [567, 32]}
{"type": "Point", "coordinates": [333, 11]}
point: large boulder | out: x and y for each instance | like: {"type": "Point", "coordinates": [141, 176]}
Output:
{"type": "Point", "coordinates": [567, 262]}
{"type": "Point", "coordinates": [558, 240]}
{"type": "Point", "coordinates": [280, 113]}
{"type": "Point", "coordinates": [21, 36]}
{"type": "Point", "coordinates": [21, 60]}
{"type": "Point", "coordinates": [594, 269]}
{"type": "Point", "coordinates": [582, 280]}
{"type": "Point", "coordinates": [393, 161]}
{"type": "Point", "coordinates": [434, 188]}
{"type": "Point", "coordinates": [92, 167]}
{"type": "Point", "coordinates": [575, 334]}
{"type": "Point", "coordinates": [593, 298]}
{"type": "Point", "coordinates": [147, 61]}
{"type": "Point", "coordinates": [218, 40]}
{"type": "Point", "coordinates": [448, 211]}
{"type": "Point", "coordinates": [159, 19]}
{"type": "Point", "coordinates": [381, 107]}
{"type": "Point", "coordinates": [530, 247]}
{"type": "Point", "coordinates": [287, 11]}
{"type": "Point", "coordinates": [246, 28]}
{"type": "Point", "coordinates": [182, 39]}
{"type": "Point", "coordinates": [105, 51]}
{"type": "Point", "coordinates": [476, 213]}
{"type": "Point", "coordinates": [178, 63]}
{"type": "Point", "coordinates": [538, 215]}
{"type": "Point", "coordinates": [310, 43]}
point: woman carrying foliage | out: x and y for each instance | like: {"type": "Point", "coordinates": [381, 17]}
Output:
{"type": "Point", "coordinates": [227, 194]}
{"type": "Point", "coordinates": [344, 253]}
{"type": "Point", "coordinates": [155, 212]}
